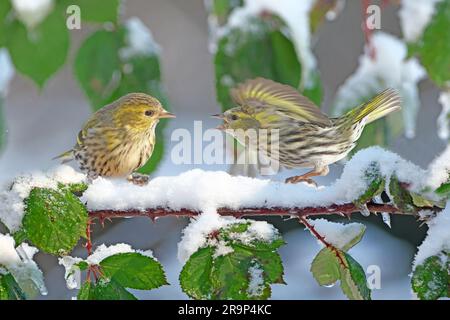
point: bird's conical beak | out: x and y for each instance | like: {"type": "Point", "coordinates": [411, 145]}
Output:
{"type": "Point", "coordinates": [218, 116]}
{"type": "Point", "coordinates": [166, 114]}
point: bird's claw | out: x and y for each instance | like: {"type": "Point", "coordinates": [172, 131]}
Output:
{"type": "Point", "coordinates": [297, 179]}
{"type": "Point", "coordinates": [139, 179]}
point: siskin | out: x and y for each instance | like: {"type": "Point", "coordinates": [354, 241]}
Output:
{"type": "Point", "coordinates": [119, 138]}
{"type": "Point", "coordinates": [306, 136]}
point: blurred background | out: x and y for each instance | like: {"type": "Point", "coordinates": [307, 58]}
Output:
{"type": "Point", "coordinates": [42, 122]}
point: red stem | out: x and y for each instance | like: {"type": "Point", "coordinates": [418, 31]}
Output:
{"type": "Point", "coordinates": [341, 209]}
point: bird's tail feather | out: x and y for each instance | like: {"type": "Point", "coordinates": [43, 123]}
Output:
{"type": "Point", "coordinates": [382, 104]}
{"type": "Point", "coordinates": [65, 156]}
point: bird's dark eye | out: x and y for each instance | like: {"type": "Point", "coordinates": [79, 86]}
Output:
{"type": "Point", "coordinates": [234, 117]}
{"type": "Point", "coordinates": [149, 113]}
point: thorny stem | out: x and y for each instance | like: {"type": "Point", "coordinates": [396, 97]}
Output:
{"type": "Point", "coordinates": [341, 209]}
{"type": "Point", "coordinates": [322, 239]}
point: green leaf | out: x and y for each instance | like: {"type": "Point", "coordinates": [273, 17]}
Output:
{"type": "Point", "coordinates": [325, 268]}
{"type": "Point", "coordinates": [376, 184]}
{"type": "Point", "coordinates": [98, 11]}
{"type": "Point", "coordinates": [104, 289]}
{"type": "Point", "coordinates": [444, 189]}
{"type": "Point", "coordinates": [353, 280]}
{"type": "Point", "coordinates": [54, 220]}
{"type": "Point", "coordinates": [232, 275]}
{"type": "Point", "coordinates": [97, 66]}
{"type": "Point", "coordinates": [431, 279]}
{"type": "Point", "coordinates": [223, 8]}
{"type": "Point", "coordinates": [434, 49]}
{"type": "Point", "coordinates": [10, 289]}
{"type": "Point", "coordinates": [134, 270]}
{"type": "Point", "coordinates": [400, 196]}
{"type": "Point", "coordinates": [261, 50]}
{"type": "Point", "coordinates": [40, 52]}
{"type": "Point", "coordinates": [332, 264]}
{"type": "Point", "coordinates": [5, 9]}
{"type": "Point", "coordinates": [195, 277]}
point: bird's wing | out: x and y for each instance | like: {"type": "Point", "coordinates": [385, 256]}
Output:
{"type": "Point", "coordinates": [287, 100]}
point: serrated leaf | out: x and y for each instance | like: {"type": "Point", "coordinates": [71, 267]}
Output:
{"type": "Point", "coordinates": [353, 280]}
{"type": "Point", "coordinates": [228, 276]}
{"type": "Point", "coordinates": [434, 49]}
{"type": "Point", "coordinates": [10, 289]}
{"type": "Point", "coordinates": [134, 270]}
{"type": "Point", "coordinates": [195, 277]}
{"type": "Point", "coordinates": [97, 11]}
{"type": "Point", "coordinates": [400, 196]}
{"type": "Point", "coordinates": [40, 52]}
{"type": "Point", "coordinates": [104, 289]}
{"type": "Point", "coordinates": [431, 279]}
{"type": "Point", "coordinates": [54, 220]}
{"type": "Point", "coordinates": [96, 64]}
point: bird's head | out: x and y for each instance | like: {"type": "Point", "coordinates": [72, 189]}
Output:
{"type": "Point", "coordinates": [239, 118]}
{"type": "Point", "coordinates": [138, 112]}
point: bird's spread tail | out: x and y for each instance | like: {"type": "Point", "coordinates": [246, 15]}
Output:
{"type": "Point", "coordinates": [65, 156]}
{"type": "Point", "coordinates": [382, 104]}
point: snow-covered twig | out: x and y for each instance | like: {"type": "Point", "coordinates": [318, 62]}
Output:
{"type": "Point", "coordinates": [340, 209]}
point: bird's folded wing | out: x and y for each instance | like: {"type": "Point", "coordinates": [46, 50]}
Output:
{"type": "Point", "coordinates": [261, 92]}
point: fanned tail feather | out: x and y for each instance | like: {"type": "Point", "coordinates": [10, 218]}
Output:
{"type": "Point", "coordinates": [382, 104]}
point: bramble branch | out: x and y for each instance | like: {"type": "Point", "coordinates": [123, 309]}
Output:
{"type": "Point", "coordinates": [341, 209]}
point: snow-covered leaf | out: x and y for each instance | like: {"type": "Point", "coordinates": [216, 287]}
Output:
{"type": "Point", "coordinates": [375, 184]}
{"type": "Point", "coordinates": [341, 236]}
{"type": "Point", "coordinates": [49, 43]}
{"type": "Point", "coordinates": [9, 288]}
{"type": "Point", "coordinates": [104, 289]}
{"type": "Point", "coordinates": [234, 265]}
{"type": "Point", "coordinates": [444, 189]}
{"type": "Point", "coordinates": [134, 270]}
{"type": "Point", "coordinates": [400, 195]}
{"type": "Point", "coordinates": [431, 279]}
{"type": "Point", "coordinates": [54, 220]}
{"type": "Point", "coordinates": [221, 9]}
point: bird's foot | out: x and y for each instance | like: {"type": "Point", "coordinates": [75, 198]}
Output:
{"type": "Point", "coordinates": [297, 179]}
{"type": "Point", "coordinates": [139, 179]}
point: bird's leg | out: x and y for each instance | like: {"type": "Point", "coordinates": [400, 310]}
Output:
{"type": "Point", "coordinates": [139, 178]}
{"type": "Point", "coordinates": [318, 171]}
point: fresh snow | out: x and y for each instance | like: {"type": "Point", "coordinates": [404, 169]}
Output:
{"type": "Point", "coordinates": [195, 235]}
{"type": "Point", "coordinates": [12, 194]}
{"type": "Point", "coordinates": [296, 16]}
{"type": "Point", "coordinates": [390, 68]}
{"type": "Point", "coordinates": [19, 262]}
{"type": "Point", "coordinates": [256, 284]}
{"type": "Point", "coordinates": [439, 170]}
{"type": "Point", "coordinates": [437, 239]}
{"type": "Point", "coordinates": [139, 40]}
{"type": "Point", "coordinates": [6, 71]}
{"type": "Point", "coordinates": [337, 234]}
{"type": "Point", "coordinates": [414, 17]}
{"type": "Point", "coordinates": [32, 12]}
{"type": "Point", "coordinates": [205, 191]}
{"type": "Point", "coordinates": [443, 121]}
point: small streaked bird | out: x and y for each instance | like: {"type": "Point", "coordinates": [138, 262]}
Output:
{"type": "Point", "coordinates": [307, 137]}
{"type": "Point", "coordinates": [119, 138]}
